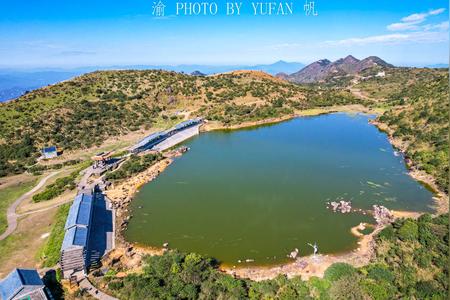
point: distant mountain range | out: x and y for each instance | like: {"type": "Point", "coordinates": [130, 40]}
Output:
{"type": "Point", "coordinates": [15, 83]}
{"type": "Point", "coordinates": [273, 69]}
{"type": "Point", "coordinates": [324, 69]}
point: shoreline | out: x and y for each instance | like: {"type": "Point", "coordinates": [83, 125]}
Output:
{"type": "Point", "coordinates": [313, 112]}
{"type": "Point", "coordinates": [309, 266]}
{"type": "Point", "coordinates": [306, 266]}
{"type": "Point", "coordinates": [441, 200]}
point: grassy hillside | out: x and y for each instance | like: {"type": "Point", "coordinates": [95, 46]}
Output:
{"type": "Point", "coordinates": [85, 111]}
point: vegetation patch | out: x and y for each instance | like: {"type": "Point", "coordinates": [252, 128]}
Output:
{"type": "Point", "coordinates": [61, 185]}
{"type": "Point", "coordinates": [135, 164]}
{"type": "Point", "coordinates": [50, 252]}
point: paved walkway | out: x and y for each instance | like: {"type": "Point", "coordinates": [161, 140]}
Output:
{"type": "Point", "coordinates": [93, 291]}
{"type": "Point", "coordinates": [11, 212]}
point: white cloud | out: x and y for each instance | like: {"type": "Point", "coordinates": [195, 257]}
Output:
{"type": "Point", "coordinates": [416, 32]}
{"type": "Point", "coordinates": [404, 32]}
{"type": "Point", "coordinates": [441, 26]}
{"type": "Point", "coordinates": [395, 38]}
{"type": "Point", "coordinates": [437, 11]}
{"type": "Point", "coordinates": [402, 26]}
{"type": "Point", "coordinates": [415, 18]}
{"type": "Point", "coordinates": [411, 22]}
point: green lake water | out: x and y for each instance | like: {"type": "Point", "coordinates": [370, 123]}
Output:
{"type": "Point", "coordinates": [259, 193]}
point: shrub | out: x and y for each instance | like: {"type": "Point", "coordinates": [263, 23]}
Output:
{"type": "Point", "coordinates": [379, 272]}
{"type": "Point", "coordinates": [338, 270]}
{"type": "Point", "coordinates": [347, 287]}
{"type": "Point", "coordinates": [408, 231]}
{"type": "Point", "coordinates": [387, 233]}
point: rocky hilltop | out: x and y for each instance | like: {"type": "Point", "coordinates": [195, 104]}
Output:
{"type": "Point", "coordinates": [324, 69]}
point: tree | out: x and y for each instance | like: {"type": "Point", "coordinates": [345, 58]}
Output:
{"type": "Point", "coordinates": [408, 231]}
{"type": "Point", "coordinates": [348, 287]}
{"type": "Point", "coordinates": [338, 270]}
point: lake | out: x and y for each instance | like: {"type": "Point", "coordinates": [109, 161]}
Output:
{"type": "Point", "coordinates": [258, 193]}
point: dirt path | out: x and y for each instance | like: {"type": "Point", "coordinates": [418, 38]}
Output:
{"type": "Point", "coordinates": [11, 212]}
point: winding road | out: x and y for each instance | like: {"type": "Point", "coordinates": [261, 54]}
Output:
{"type": "Point", "coordinates": [11, 214]}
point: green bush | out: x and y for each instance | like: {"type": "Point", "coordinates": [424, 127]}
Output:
{"type": "Point", "coordinates": [135, 164]}
{"type": "Point", "coordinates": [378, 290]}
{"type": "Point", "coordinates": [387, 233]}
{"type": "Point", "coordinates": [55, 189]}
{"type": "Point", "coordinates": [348, 287]}
{"type": "Point", "coordinates": [379, 272]}
{"type": "Point", "coordinates": [338, 270]}
{"type": "Point", "coordinates": [408, 231]}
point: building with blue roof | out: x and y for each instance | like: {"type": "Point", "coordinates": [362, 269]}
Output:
{"type": "Point", "coordinates": [80, 212]}
{"type": "Point", "coordinates": [50, 152]}
{"type": "Point", "coordinates": [75, 237]}
{"type": "Point", "coordinates": [74, 249]}
{"type": "Point", "coordinates": [22, 284]}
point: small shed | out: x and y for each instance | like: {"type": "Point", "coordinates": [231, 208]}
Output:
{"type": "Point", "coordinates": [50, 152]}
{"type": "Point", "coordinates": [23, 284]}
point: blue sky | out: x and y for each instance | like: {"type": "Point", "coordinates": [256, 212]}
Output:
{"type": "Point", "coordinates": [72, 33]}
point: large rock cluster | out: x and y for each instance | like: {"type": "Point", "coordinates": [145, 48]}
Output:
{"type": "Point", "coordinates": [341, 206]}
{"type": "Point", "coordinates": [382, 215]}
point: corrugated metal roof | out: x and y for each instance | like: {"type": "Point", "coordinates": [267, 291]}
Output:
{"type": "Point", "coordinates": [80, 211]}
{"type": "Point", "coordinates": [75, 237]}
{"type": "Point", "coordinates": [17, 280]}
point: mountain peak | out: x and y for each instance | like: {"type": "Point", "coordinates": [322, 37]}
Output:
{"type": "Point", "coordinates": [197, 73]}
{"type": "Point", "coordinates": [323, 69]}
{"type": "Point", "coordinates": [351, 59]}
{"type": "Point", "coordinates": [374, 61]}
{"type": "Point", "coordinates": [323, 62]}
